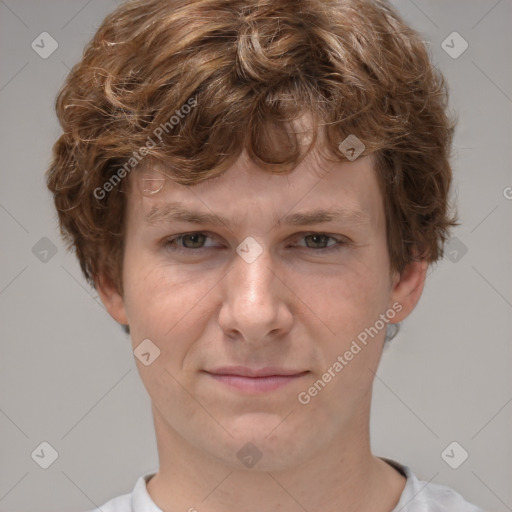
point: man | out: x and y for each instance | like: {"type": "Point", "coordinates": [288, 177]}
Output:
{"type": "Point", "coordinates": [256, 190]}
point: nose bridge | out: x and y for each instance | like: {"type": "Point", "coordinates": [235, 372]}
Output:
{"type": "Point", "coordinates": [253, 276]}
{"type": "Point", "coordinates": [252, 301]}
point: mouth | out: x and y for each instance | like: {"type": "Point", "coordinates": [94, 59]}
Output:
{"type": "Point", "coordinates": [255, 381]}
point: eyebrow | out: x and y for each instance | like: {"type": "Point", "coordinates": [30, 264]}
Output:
{"type": "Point", "coordinates": [177, 212]}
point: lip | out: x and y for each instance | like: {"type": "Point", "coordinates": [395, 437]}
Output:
{"type": "Point", "coordinates": [256, 381]}
{"type": "Point", "coordinates": [244, 371]}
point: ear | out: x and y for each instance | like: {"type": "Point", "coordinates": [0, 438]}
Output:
{"type": "Point", "coordinates": [408, 287]}
{"type": "Point", "coordinates": [111, 298]}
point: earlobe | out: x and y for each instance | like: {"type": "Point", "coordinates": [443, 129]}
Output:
{"type": "Point", "coordinates": [111, 298]}
{"type": "Point", "coordinates": [408, 287]}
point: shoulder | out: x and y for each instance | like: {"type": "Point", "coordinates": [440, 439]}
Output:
{"type": "Point", "coordinates": [440, 498]}
{"type": "Point", "coordinates": [138, 500]}
{"type": "Point", "coordinates": [118, 504]}
{"type": "Point", "coordinates": [421, 496]}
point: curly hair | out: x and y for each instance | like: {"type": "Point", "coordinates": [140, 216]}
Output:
{"type": "Point", "coordinates": [246, 69]}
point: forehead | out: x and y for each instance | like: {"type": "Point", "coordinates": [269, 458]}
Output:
{"type": "Point", "coordinates": [316, 191]}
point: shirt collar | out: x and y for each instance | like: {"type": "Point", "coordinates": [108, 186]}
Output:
{"type": "Point", "coordinates": [141, 500]}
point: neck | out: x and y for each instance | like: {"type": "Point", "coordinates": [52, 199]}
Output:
{"type": "Point", "coordinates": [343, 476]}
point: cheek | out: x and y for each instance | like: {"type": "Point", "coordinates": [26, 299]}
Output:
{"type": "Point", "coordinates": [347, 299]}
{"type": "Point", "coordinates": [350, 351]}
{"type": "Point", "coordinates": [149, 298]}
{"type": "Point", "coordinates": [350, 305]}
{"type": "Point", "coordinates": [164, 303]}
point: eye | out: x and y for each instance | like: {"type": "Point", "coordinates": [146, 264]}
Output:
{"type": "Point", "coordinates": [320, 239]}
{"type": "Point", "coordinates": [194, 242]}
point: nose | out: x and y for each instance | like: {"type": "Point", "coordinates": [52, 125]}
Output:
{"type": "Point", "coordinates": [255, 306]}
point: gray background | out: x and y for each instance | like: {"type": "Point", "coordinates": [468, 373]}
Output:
{"type": "Point", "coordinates": [68, 375]}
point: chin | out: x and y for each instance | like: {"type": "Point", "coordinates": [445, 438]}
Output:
{"type": "Point", "coordinates": [265, 442]}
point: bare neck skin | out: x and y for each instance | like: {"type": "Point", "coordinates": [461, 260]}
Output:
{"type": "Point", "coordinates": [343, 476]}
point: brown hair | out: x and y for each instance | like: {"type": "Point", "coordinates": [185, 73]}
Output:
{"type": "Point", "coordinates": [247, 69]}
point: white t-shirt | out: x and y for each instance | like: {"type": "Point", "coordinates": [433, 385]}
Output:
{"type": "Point", "coordinates": [417, 496]}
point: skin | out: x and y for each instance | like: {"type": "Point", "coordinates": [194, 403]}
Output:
{"type": "Point", "coordinates": [296, 306]}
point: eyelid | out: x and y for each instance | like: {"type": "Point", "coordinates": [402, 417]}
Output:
{"type": "Point", "coordinates": [169, 239]}
{"type": "Point", "coordinates": [340, 240]}
{"type": "Point", "coordinates": [336, 236]}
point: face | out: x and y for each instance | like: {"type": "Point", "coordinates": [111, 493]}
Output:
{"type": "Point", "coordinates": [270, 324]}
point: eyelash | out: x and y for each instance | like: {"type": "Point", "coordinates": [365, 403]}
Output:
{"type": "Point", "coordinates": [169, 243]}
